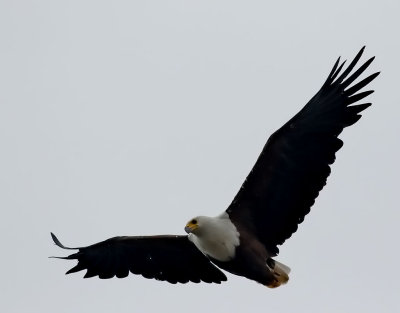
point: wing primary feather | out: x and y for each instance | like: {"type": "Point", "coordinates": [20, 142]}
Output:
{"type": "Point", "coordinates": [361, 84]}
{"type": "Point", "coordinates": [357, 73]}
{"type": "Point", "coordinates": [78, 267]}
{"type": "Point", "coordinates": [355, 109]}
{"type": "Point", "coordinates": [358, 96]}
{"type": "Point", "coordinates": [58, 243]}
{"type": "Point", "coordinates": [338, 71]}
{"type": "Point", "coordinates": [329, 79]}
{"type": "Point", "coordinates": [350, 67]}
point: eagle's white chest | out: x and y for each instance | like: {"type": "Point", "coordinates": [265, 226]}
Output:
{"type": "Point", "coordinates": [218, 237]}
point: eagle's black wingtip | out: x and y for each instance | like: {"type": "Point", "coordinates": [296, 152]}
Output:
{"type": "Point", "coordinates": [361, 52]}
{"type": "Point", "coordinates": [59, 244]}
{"type": "Point", "coordinates": [56, 241]}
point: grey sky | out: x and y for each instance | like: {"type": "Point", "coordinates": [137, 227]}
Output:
{"type": "Point", "coordinates": [130, 117]}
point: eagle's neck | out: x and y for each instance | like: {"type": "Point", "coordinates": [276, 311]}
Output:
{"type": "Point", "coordinates": [218, 237]}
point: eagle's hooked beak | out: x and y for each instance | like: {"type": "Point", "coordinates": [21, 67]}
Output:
{"type": "Point", "coordinates": [190, 227]}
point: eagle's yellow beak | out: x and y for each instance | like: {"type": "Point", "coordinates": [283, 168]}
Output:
{"type": "Point", "coordinates": [190, 227]}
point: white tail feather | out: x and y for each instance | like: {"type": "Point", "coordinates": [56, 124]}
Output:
{"type": "Point", "coordinates": [281, 274]}
{"type": "Point", "coordinates": [282, 267]}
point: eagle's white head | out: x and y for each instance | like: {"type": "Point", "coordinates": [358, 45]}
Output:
{"type": "Point", "coordinates": [214, 236]}
{"type": "Point", "coordinates": [197, 225]}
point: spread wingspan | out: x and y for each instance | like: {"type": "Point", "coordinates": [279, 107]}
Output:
{"type": "Point", "coordinates": [295, 162]}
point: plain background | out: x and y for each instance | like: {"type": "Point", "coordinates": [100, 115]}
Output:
{"type": "Point", "coordinates": [131, 117]}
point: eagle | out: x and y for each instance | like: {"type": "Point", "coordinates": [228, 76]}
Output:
{"type": "Point", "coordinates": [277, 194]}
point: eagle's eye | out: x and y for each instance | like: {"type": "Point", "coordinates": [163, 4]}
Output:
{"type": "Point", "coordinates": [194, 221]}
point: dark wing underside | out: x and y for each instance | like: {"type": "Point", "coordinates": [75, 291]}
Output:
{"type": "Point", "coordinates": [295, 162]}
{"type": "Point", "coordinates": [169, 258]}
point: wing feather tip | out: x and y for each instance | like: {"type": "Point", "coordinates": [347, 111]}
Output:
{"type": "Point", "coordinates": [58, 242]}
{"type": "Point", "coordinates": [55, 240]}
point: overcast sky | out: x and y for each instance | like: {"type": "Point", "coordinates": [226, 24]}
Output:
{"type": "Point", "coordinates": [131, 117]}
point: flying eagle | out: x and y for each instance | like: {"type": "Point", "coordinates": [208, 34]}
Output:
{"type": "Point", "coordinates": [275, 197]}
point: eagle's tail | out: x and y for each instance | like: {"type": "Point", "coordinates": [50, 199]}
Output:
{"type": "Point", "coordinates": [280, 272]}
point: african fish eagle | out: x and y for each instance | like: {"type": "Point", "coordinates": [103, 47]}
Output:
{"type": "Point", "coordinates": [277, 194]}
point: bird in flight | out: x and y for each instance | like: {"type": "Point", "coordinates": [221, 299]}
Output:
{"type": "Point", "coordinates": [274, 199]}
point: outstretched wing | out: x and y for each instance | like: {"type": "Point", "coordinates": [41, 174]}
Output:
{"type": "Point", "coordinates": [295, 162]}
{"type": "Point", "coordinates": [169, 258]}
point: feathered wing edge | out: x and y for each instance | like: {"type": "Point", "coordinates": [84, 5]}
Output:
{"type": "Point", "coordinates": [167, 258]}
{"type": "Point", "coordinates": [334, 85]}
{"type": "Point", "coordinates": [58, 243]}
{"type": "Point", "coordinates": [336, 94]}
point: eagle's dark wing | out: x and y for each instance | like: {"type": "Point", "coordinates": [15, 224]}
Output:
{"type": "Point", "coordinates": [171, 258]}
{"type": "Point", "coordinates": [295, 162]}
